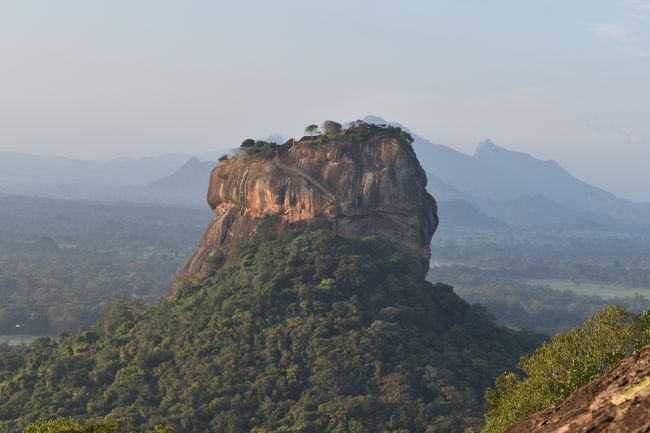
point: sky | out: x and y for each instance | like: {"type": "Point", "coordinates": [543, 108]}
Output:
{"type": "Point", "coordinates": [567, 80]}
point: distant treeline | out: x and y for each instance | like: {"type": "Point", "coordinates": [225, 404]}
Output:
{"type": "Point", "coordinates": [491, 249]}
{"type": "Point", "coordinates": [536, 307]}
{"type": "Point", "coordinates": [575, 272]}
{"type": "Point", "coordinates": [62, 261]}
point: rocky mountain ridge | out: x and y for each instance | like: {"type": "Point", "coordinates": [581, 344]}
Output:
{"type": "Point", "coordinates": [366, 181]}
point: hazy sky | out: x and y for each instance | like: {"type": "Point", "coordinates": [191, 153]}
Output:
{"type": "Point", "coordinates": [565, 80]}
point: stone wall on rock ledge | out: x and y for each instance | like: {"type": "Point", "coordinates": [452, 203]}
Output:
{"type": "Point", "coordinates": [354, 186]}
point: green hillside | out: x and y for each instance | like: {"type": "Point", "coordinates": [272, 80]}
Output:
{"type": "Point", "coordinates": [296, 332]}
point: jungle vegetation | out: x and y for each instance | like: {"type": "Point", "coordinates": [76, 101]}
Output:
{"type": "Point", "coordinates": [298, 331]}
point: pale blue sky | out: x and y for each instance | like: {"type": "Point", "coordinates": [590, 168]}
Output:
{"type": "Point", "coordinates": [565, 80]}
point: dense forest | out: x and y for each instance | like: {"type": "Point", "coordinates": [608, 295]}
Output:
{"type": "Point", "coordinates": [75, 425]}
{"type": "Point", "coordinates": [516, 302]}
{"type": "Point", "coordinates": [49, 290]}
{"type": "Point", "coordinates": [545, 281]}
{"type": "Point", "coordinates": [296, 332]}
{"type": "Point", "coordinates": [331, 335]}
{"type": "Point", "coordinates": [62, 261]}
{"type": "Point", "coordinates": [516, 248]}
{"type": "Point", "coordinates": [554, 371]}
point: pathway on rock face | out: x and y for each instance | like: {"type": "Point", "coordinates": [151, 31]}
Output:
{"type": "Point", "coordinates": [306, 187]}
{"type": "Point", "coordinates": [318, 184]}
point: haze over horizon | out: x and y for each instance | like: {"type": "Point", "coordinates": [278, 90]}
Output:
{"type": "Point", "coordinates": [564, 81]}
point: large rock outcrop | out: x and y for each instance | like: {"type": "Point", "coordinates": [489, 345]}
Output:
{"type": "Point", "coordinates": [617, 402]}
{"type": "Point", "coordinates": [358, 183]}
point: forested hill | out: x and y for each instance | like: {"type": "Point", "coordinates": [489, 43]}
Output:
{"type": "Point", "coordinates": [299, 331]}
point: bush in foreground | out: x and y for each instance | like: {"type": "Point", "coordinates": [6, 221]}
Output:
{"type": "Point", "coordinates": [564, 364]}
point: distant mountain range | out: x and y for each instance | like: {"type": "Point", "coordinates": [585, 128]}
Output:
{"type": "Point", "coordinates": [494, 188]}
{"type": "Point", "coordinates": [519, 189]}
{"type": "Point", "coordinates": [460, 213]}
{"type": "Point", "coordinates": [19, 168]}
{"type": "Point", "coordinates": [187, 185]}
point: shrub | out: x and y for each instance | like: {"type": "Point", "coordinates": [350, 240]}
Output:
{"type": "Point", "coordinates": [312, 130]}
{"type": "Point", "coordinates": [331, 127]}
{"type": "Point", "coordinates": [259, 149]}
{"type": "Point", "coordinates": [564, 364]}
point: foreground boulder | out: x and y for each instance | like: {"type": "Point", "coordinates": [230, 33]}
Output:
{"type": "Point", "coordinates": [617, 402]}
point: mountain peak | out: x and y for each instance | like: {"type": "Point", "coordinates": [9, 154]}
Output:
{"type": "Point", "coordinates": [487, 149]}
{"type": "Point", "coordinates": [275, 138]}
{"type": "Point", "coordinates": [193, 161]}
{"type": "Point", "coordinates": [375, 120]}
{"type": "Point", "coordinates": [488, 145]}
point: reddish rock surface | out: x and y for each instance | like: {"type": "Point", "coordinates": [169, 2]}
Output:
{"type": "Point", "coordinates": [374, 186]}
{"type": "Point", "coordinates": [617, 402]}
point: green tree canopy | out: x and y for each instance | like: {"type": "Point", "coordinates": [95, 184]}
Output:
{"type": "Point", "coordinates": [259, 149]}
{"type": "Point", "coordinates": [331, 127]}
{"type": "Point", "coordinates": [249, 142]}
{"type": "Point", "coordinates": [72, 425]}
{"type": "Point", "coordinates": [295, 331]}
{"type": "Point", "coordinates": [311, 130]}
{"type": "Point", "coordinates": [564, 364]}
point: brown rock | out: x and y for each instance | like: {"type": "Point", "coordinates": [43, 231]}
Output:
{"type": "Point", "coordinates": [617, 402]}
{"type": "Point", "coordinates": [355, 187]}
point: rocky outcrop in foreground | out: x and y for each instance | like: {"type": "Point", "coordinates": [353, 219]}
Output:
{"type": "Point", "coordinates": [617, 402]}
{"type": "Point", "coordinates": [364, 181]}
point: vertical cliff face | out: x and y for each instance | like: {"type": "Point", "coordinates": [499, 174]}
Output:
{"type": "Point", "coordinates": [363, 182]}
